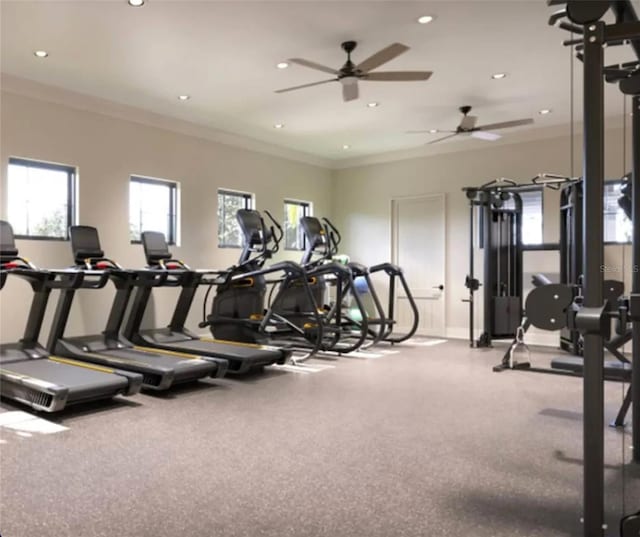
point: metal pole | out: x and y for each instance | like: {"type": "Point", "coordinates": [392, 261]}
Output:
{"type": "Point", "coordinates": [471, 276]}
{"type": "Point", "coordinates": [489, 267]}
{"type": "Point", "coordinates": [635, 281]}
{"type": "Point", "coordinates": [593, 391]}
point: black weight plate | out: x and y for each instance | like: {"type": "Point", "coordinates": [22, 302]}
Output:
{"type": "Point", "coordinates": [631, 85]}
{"type": "Point", "coordinates": [630, 526]}
{"type": "Point", "coordinates": [546, 306]}
{"type": "Point", "coordinates": [586, 12]}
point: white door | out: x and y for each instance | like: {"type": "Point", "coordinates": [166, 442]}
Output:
{"type": "Point", "coordinates": [418, 231]}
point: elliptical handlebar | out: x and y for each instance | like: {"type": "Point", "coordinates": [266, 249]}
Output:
{"type": "Point", "coordinates": [333, 235]}
{"type": "Point", "coordinates": [276, 237]}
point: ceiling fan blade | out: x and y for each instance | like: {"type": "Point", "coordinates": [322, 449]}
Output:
{"type": "Point", "coordinates": [382, 56]}
{"type": "Point", "coordinates": [350, 92]}
{"type": "Point", "coordinates": [505, 124]}
{"type": "Point", "coordinates": [488, 136]}
{"type": "Point", "coordinates": [306, 85]}
{"type": "Point", "coordinates": [442, 139]}
{"type": "Point", "coordinates": [398, 76]}
{"type": "Point", "coordinates": [314, 65]}
{"type": "Point", "coordinates": [468, 122]}
{"type": "Point", "coordinates": [431, 131]}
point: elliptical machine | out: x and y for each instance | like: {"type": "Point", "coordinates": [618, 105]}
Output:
{"type": "Point", "coordinates": [323, 240]}
{"type": "Point", "coordinates": [290, 316]}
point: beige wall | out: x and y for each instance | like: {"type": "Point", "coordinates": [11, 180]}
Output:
{"type": "Point", "coordinates": [106, 151]}
{"type": "Point", "coordinates": [361, 206]}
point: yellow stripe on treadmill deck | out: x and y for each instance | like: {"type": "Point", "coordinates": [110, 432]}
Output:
{"type": "Point", "coordinates": [80, 364]}
{"type": "Point", "coordinates": [237, 343]}
{"type": "Point", "coordinates": [152, 350]}
{"type": "Point", "coordinates": [114, 359]}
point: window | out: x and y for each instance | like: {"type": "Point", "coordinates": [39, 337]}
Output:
{"type": "Point", "coordinates": [153, 206]}
{"type": "Point", "coordinates": [41, 199]}
{"type": "Point", "coordinates": [293, 212]}
{"type": "Point", "coordinates": [229, 202]}
{"type": "Point", "coordinates": [531, 215]}
{"type": "Point", "coordinates": [617, 227]}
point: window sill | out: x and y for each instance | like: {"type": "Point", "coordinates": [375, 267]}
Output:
{"type": "Point", "coordinates": [40, 238]}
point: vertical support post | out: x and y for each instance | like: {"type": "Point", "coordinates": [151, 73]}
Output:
{"type": "Point", "coordinates": [635, 283]}
{"type": "Point", "coordinates": [133, 324]}
{"type": "Point", "coordinates": [190, 283]}
{"type": "Point", "coordinates": [471, 276]}
{"type": "Point", "coordinates": [36, 314]}
{"type": "Point", "coordinates": [517, 270]}
{"type": "Point", "coordinates": [60, 318]}
{"type": "Point", "coordinates": [593, 391]}
{"type": "Point", "coordinates": [490, 268]}
{"type": "Point", "coordinates": [124, 286]}
{"type": "Point", "coordinates": [392, 299]}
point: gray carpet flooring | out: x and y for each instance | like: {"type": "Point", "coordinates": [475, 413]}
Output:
{"type": "Point", "coordinates": [426, 442]}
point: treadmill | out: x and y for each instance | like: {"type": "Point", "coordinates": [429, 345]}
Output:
{"type": "Point", "coordinates": [160, 370]}
{"type": "Point", "coordinates": [28, 373]}
{"type": "Point", "coordinates": [242, 357]}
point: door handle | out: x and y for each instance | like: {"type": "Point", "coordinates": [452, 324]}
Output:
{"type": "Point", "coordinates": [441, 287]}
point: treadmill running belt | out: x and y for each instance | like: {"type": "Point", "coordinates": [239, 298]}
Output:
{"type": "Point", "coordinates": [81, 381]}
{"type": "Point", "coordinates": [230, 352]}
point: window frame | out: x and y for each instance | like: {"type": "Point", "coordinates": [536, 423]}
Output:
{"type": "Point", "coordinates": [72, 176]}
{"type": "Point", "coordinates": [534, 246]}
{"type": "Point", "coordinates": [172, 239]}
{"type": "Point", "coordinates": [609, 182]}
{"type": "Point", "coordinates": [541, 190]}
{"type": "Point", "coordinates": [248, 203]}
{"type": "Point", "coordinates": [307, 207]}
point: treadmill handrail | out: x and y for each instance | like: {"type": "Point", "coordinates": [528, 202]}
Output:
{"type": "Point", "coordinates": [90, 281]}
{"type": "Point", "coordinates": [289, 267]}
{"type": "Point", "coordinates": [49, 277]}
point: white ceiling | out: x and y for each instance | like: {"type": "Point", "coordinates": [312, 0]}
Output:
{"type": "Point", "coordinates": [224, 54]}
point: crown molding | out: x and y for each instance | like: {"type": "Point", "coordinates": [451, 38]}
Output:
{"type": "Point", "coordinates": [80, 101]}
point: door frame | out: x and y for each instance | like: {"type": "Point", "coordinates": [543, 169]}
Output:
{"type": "Point", "coordinates": [393, 233]}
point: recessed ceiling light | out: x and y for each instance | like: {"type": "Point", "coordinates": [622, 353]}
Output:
{"type": "Point", "coordinates": [345, 146]}
{"type": "Point", "coordinates": [499, 76]}
{"type": "Point", "coordinates": [40, 53]}
{"type": "Point", "coordinates": [136, 3]}
{"type": "Point", "coordinates": [373, 104]}
{"type": "Point", "coordinates": [184, 97]}
{"type": "Point", "coordinates": [278, 126]}
{"type": "Point", "coordinates": [425, 19]}
{"type": "Point", "coordinates": [433, 131]}
{"type": "Point", "coordinates": [544, 111]}
{"type": "Point", "coordinates": [282, 65]}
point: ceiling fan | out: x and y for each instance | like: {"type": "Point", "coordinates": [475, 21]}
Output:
{"type": "Point", "coordinates": [349, 74]}
{"type": "Point", "coordinates": [468, 126]}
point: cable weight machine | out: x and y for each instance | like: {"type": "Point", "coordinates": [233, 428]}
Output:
{"type": "Point", "coordinates": [500, 236]}
{"type": "Point", "coordinates": [585, 19]}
